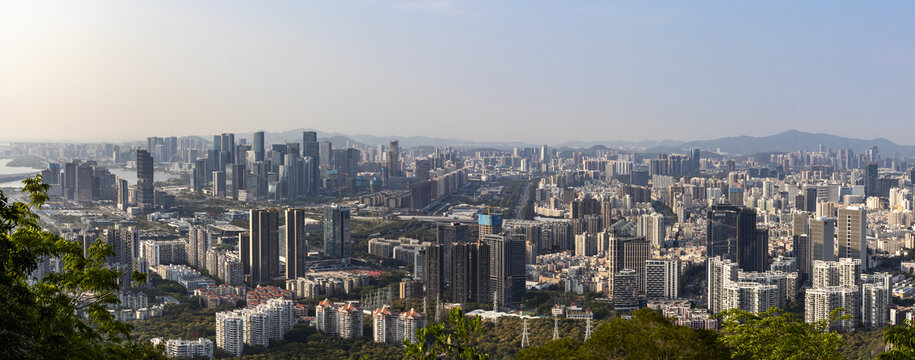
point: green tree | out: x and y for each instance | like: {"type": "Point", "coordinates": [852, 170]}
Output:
{"type": "Point", "coordinates": [775, 334]}
{"type": "Point", "coordinates": [647, 335]}
{"type": "Point", "coordinates": [454, 341]}
{"type": "Point", "coordinates": [43, 320]}
{"type": "Point", "coordinates": [902, 337]}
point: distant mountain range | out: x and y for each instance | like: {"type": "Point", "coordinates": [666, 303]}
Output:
{"type": "Point", "coordinates": [788, 141]}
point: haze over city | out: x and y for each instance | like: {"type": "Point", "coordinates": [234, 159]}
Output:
{"type": "Point", "coordinates": [445, 179]}
{"type": "Point", "coordinates": [531, 71]}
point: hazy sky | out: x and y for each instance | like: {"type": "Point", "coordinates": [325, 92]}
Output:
{"type": "Point", "coordinates": [536, 71]}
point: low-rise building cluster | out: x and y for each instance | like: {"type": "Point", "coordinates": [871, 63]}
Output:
{"type": "Point", "coordinates": [328, 283]}
{"type": "Point", "coordinates": [178, 348]}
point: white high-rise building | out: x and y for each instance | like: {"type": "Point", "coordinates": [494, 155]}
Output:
{"type": "Point", "coordinates": [844, 272]}
{"type": "Point", "coordinates": [344, 321]}
{"type": "Point", "coordinates": [662, 277]}
{"type": "Point", "coordinates": [781, 280]}
{"type": "Point", "coordinates": [750, 296]}
{"type": "Point", "coordinates": [384, 326]}
{"type": "Point", "coordinates": [326, 318]}
{"type": "Point", "coordinates": [257, 326]}
{"type": "Point", "coordinates": [720, 274]}
{"type": "Point", "coordinates": [874, 306]}
{"type": "Point", "coordinates": [819, 303]}
{"type": "Point", "coordinates": [177, 348]}
{"type": "Point", "coordinates": [653, 228]}
{"type": "Point", "coordinates": [230, 332]}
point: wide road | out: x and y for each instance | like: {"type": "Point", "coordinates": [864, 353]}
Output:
{"type": "Point", "coordinates": [525, 195]}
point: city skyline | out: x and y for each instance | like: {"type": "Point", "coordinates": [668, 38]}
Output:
{"type": "Point", "coordinates": [612, 71]}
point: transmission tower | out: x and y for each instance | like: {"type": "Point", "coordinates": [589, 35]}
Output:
{"type": "Point", "coordinates": [425, 307]}
{"type": "Point", "coordinates": [555, 328]}
{"type": "Point", "coordinates": [587, 329]}
{"type": "Point", "coordinates": [495, 299]}
{"type": "Point", "coordinates": [438, 307]}
{"type": "Point", "coordinates": [525, 341]}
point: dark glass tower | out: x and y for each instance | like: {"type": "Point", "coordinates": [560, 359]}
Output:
{"type": "Point", "coordinates": [337, 232]}
{"type": "Point", "coordinates": [145, 191]}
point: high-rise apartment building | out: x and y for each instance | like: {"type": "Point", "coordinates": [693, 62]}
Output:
{"type": "Point", "coordinates": [446, 235]}
{"type": "Point", "coordinates": [751, 297]}
{"type": "Point", "coordinates": [820, 302]}
{"type": "Point", "coordinates": [433, 271]}
{"type": "Point", "coordinates": [721, 272]}
{"type": "Point", "coordinates": [470, 273]}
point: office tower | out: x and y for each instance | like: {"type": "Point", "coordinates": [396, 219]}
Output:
{"type": "Point", "coordinates": [446, 235]}
{"type": "Point", "coordinates": [819, 303]}
{"type": "Point", "coordinates": [230, 333]}
{"type": "Point", "coordinates": [123, 194]}
{"type": "Point", "coordinates": [470, 273]}
{"type": "Point", "coordinates": [625, 290]}
{"type": "Point", "coordinates": [296, 246]}
{"type": "Point", "coordinates": [227, 148]}
{"type": "Point", "coordinates": [874, 305]}
{"type": "Point", "coordinates": [235, 179]}
{"type": "Point", "coordinates": [310, 148]}
{"type": "Point", "coordinates": [735, 196]}
{"type": "Point", "coordinates": [851, 234]}
{"type": "Point", "coordinates": [732, 234]}
{"type": "Point", "coordinates": [653, 228]}
{"type": "Point", "coordinates": [721, 272]}
{"type": "Point", "coordinates": [489, 224]}
{"type": "Point", "coordinates": [325, 154]}
{"type": "Point", "coordinates": [628, 253]}
{"type": "Point", "coordinates": [337, 242]}
{"type": "Point", "coordinates": [871, 179]}
{"type": "Point", "coordinates": [84, 183]}
{"type": "Point", "coordinates": [393, 159]}
{"type": "Point", "coordinates": [506, 268]}
{"type": "Point", "coordinates": [434, 259]}
{"type": "Point", "coordinates": [263, 245]}
{"type": "Point", "coordinates": [145, 191]}
{"type": "Point", "coordinates": [821, 235]}
{"type": "Point", "coordinates": [803, 252]}
{"type": "Point", "coordinates": [258, 148]}
{"type": "Point", "coordinates": [219, 183]}
{"type": "Point", "coordinates": [810, 199]}
{"type": "Point", "coordinates": [799, 223]}
{"type": "Point", "coordinates": [751, 297]}
{"type": "Point", "coordinates": [662, 278]}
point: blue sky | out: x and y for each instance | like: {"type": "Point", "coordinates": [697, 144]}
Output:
{"type": "Point", "coordinates": [536, 71]}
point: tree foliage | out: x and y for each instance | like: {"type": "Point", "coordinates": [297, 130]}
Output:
{"type": "Point", "coordinates": [647, 335]}
{"type": "Point", "coordinates": [902, 338]}
{"type": "Point", "coordinates": [454, 341]}
{"type": "Point", "coordinates": [775, 334]}
{"type": "Point", "coordinates": [41, 320]}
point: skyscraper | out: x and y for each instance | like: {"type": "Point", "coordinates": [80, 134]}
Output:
{"type": "Point", "coordinates": [489, 224]}
{"type": "Point", "coordinates": [145, 190]}
{"type": "Point", "coordinates": [446, 235]}
{"type": "Point", "coordinates": [259, 146]}
{"type": "Point", "coordinates": [433, 279]}
{"type": "Point", "coordinates": [851, 234]}
{"type": "Point", "coordinates": [337, 242]}
{"type": "Point", "coordinates": [393, 159]}
{"type": "Point", "coordinates": [821, 235]}
{"type": "Point", "coordinates": [731, 233]}
{"type": "Point", "coordinates": [470, 273]}
{"type": "Point", "coordinates": [506, 267]}
{"type": "Point", "coordinates": [721, 272]}
{"type": "Point", "coordinates": [310, 148]}
{"type": "Point", "coordinates": [264, 245]}
{"type": "Point", "coordinates": [871, 179]}
{"type": "Point", "coordinates": [296, 247]}
{"type": "Point", "coordinates": [662, 278]}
